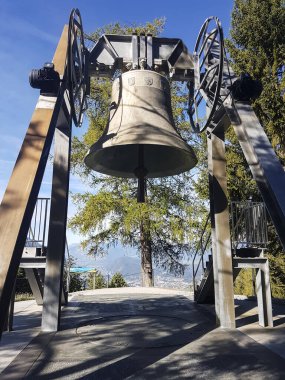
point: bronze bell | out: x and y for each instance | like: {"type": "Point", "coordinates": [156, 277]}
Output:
{"type": "Point", "coordinates": [140, 139]}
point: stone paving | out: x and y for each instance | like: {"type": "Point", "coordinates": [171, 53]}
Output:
{"type": "Point", "coordinates": [140, 333]}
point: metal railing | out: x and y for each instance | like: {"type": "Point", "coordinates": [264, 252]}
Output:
{"type": "Point", "coordinates": [37, 235]}
{"type": "Point", "coordinates": [249, 230]}
{"type": "Point", "coordinates": [249, 225]}
{"type": "Point", "coordinates": [201, 249]}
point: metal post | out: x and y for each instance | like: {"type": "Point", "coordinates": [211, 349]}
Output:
{"type": "Point", "coordinates": [11, 308]}
{"type": "Point", "coordinates": [213, 232]}
{"type": "Point", "coordinates": [264, 296]}
{"type": "Point", "coordinates": [10, 315]}
{"type": "Point", "coordinates": [53, 284]}
{"type": "Point", "coordinates": [222, 246]}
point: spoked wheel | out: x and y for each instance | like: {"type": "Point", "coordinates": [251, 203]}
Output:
{"type": "Point", "coordinates": [76, 68]}
{"type": "Point", "coordinates": [204, 92]}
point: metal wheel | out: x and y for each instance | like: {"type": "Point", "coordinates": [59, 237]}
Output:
{"type": "Point", "coordinates": [76, 68]}
{"type": "Point", "coordinates": [208, 57]}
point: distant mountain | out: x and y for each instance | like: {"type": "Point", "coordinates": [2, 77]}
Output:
{"type": "Point", "coordinates": [118, 259]}
{"type": "Point", "coordinates": [127, 262]}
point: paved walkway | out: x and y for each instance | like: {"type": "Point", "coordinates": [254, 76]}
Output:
{"type": "Point", "coordinates": [138, 333]}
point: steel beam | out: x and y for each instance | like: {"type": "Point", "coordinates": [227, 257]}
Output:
{"type": "Point", "coordinates": [35, 284]}
{"type": "Point", "coordinates": [263, 292]}
{"type": "Point", "coordinates": [8, 326]}
{"type": "Point", "coordinates": [263, 162]}
{"type": "Point", "coordinates": [20, 197]}
{"type": "Point", "coordinates": [262, 286]}
{"type": "Point", "coordinates": [57, 227]}
{"type": "Point", "coordinates": [213, 230]}
{"type": "Point", "coordinates": [224, 294]}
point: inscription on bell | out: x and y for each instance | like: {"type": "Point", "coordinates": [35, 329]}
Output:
{"type": "Point", "coordinates": [131, 81]}
{"type": "Point", "coordinates": [148, 81]}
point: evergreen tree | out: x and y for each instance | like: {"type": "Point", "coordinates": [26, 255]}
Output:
{"type": "Point", "coordinates": [117, 281]}
{"type": "Point", "coordinates": [76, 282]}
{"type": "Point", "coordinates": [163, 229]}
{"type": "Point", "coordinates": [22, 283]}
{"type": "Point", "coordinates": [257, 47]}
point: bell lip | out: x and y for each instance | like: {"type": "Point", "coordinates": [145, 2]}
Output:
{"type": "Point", "coordinates": [190, 163]}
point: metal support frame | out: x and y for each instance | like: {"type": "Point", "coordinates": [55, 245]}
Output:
{"type": "Point", "coordinates": [167, 55]}
{"type": "Point", "coordinates": [213, 230]}
{"type": "Point", "coordinates": [222, 255]}
{"type": "Point", "coordinates": [263, 162]}
{"type": "Point", "coordinates": [111, 52]}
{"type": "Point", "coordinates": [53, 284]}
{"type": "Point", "coordinates": [20, 197]}
{"type": "Point", "coordinates": [262, 286]}
{"type": "Point", "coordinates": [35, 283]}
{"type": "Point", "coordinates": [10, 315]}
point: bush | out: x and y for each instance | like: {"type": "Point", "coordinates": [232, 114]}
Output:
{"type": "Point", "coordinates": [117, 281]}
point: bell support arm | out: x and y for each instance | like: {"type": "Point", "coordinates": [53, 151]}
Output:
{"type": "Point", "coordinates": [265, 166]}
{"type": "Point", "coordinates": [20, 197]}
{"type": "Point", "coordinates": [263, 162]}
{"type": "Point", "coordinates": [168, 56]}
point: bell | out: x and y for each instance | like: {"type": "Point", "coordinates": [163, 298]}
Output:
{"type": "Point", "coordinates": [140, 139]}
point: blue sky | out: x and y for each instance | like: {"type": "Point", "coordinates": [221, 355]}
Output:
{"type": "Point", "coordinates": [30, 30]}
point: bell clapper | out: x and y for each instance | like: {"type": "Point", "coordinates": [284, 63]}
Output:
{"type": "Point", "coordinates": [141, 172]}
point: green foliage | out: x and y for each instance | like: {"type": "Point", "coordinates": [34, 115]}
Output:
{"type": "Point", "coordinates": [277, 274]}
{"type": "Point", "coordinates": [109, 213]}
{"type": "Point", "coordinates": [155, 28]}
{"type": "Point", "coordinates": [76, 282]}
{"type": "Point", "coordinates": [244, 283]}
{"type": "Point", "coordinates": [241, 185]}
{"type": "Point", "coordinates": [257, 46]}
{"type": "Point", "coordinates": [117, 281]}
{"type": "Point", "coordinates": [22, 284]}
{"type": "Point", "coordinates": [96, 280]}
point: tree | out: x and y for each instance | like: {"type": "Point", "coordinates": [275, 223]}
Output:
{"type": "Point", "coordinates": [163, 227]}
{"type": "Point", "coordinates": [257, 47]}
{"type": "Point", "coordinates": [22, 283]}
{"type": "Point", "coordinates": [96, 280]}
{"type": "Point", "coordinates": [117, 281]}
{"type": "Point", "coordinates": [76, 281]}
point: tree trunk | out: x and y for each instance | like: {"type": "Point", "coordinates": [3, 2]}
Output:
{"type": "Point", "coordinates": [146, 257]}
